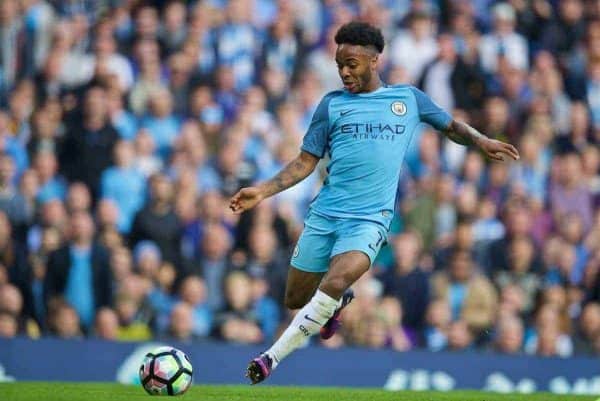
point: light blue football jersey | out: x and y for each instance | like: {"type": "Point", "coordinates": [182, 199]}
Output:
{"type": "Point", "coordinates": [366, 136]}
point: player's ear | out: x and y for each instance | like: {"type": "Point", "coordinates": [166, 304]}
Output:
{"type": "Point", "coordinates": [374, 60]}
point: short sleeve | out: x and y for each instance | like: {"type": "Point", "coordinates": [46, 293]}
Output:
{"type": "Point", "coordinates": [316, 138]}
{"type": "Point", "coordinates": [430, 112]}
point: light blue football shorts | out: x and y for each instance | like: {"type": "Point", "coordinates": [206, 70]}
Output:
{"type": "Point", "coordinates": [324, 237]}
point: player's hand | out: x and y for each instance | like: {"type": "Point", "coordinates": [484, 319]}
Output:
{"type": "Point", "coordinates": [245, 199]}
{"type": "Point", "coordinates": [496, 149]}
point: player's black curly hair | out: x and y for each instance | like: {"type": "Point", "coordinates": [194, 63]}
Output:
{"type": "Point", "coordinates": [360, 33]}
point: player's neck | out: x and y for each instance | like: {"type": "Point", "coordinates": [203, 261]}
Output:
{"type": "Point", "coordinates": [373, 85]}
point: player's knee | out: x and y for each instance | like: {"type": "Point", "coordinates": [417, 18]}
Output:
{"type": "Point", "coordinates": [336, 285]}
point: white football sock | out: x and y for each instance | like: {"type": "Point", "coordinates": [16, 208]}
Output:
{"type": "Point", "coordinates": [307, 322]}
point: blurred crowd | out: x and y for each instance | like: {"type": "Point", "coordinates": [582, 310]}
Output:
{"type": "Point", "coordinates": [126, 125]}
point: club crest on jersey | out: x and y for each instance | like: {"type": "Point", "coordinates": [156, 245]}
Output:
{"type": "Point", "coordinates": [399, 108]}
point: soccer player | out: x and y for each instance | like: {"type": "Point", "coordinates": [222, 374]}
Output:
{"type": "Point", "coordinates": [366, 129]}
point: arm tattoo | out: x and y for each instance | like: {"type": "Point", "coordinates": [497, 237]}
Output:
{"type": "Point", "coordinates": [463, 134]}
{"type": "Point", "coordinates": [297, 170]}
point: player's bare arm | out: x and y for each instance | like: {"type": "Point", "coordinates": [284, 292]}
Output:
{"type": "Point", "coordinates": [464, 134]}
{"type": "Point", "coordinates": [297, 170]}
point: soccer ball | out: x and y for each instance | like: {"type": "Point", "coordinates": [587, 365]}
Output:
{"type": "Point", "coordinates": [166, 371]}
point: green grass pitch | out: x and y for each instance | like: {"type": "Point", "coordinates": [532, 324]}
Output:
{"type": "Point", "coordinates": [42, 391]}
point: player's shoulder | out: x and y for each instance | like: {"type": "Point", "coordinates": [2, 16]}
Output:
{"type": "Point", "coordinates": [332, 94]}
{"type": "Point", "coordinates": [404, 87]}
{"type": "Point", "coordinates": [327, 98]}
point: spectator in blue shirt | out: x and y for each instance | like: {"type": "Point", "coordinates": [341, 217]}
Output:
{"type": "Point", "coordinates": [161, 122]}
{"type": "Point", "coordinates": [124, 121]}
{"type": "Point", "coordinates": [529, 171]}
{"type": "Point", "coordinates": [237, 44]}
{"type": "Point", "coordinates": [193, 292]}
{"type": "Point", "coordinates": [15, 149]}
{"type": "Point", "coordinates": [52, 185]}
{"type": "Point", "coordinates": [265, 308]}
{"type": "Point", "coordinates": [438, 319]}
{"type": "Point", "coordinates": [11, 201]}
{"type": "Point", "coordinates": [124, 184]}
{"type": "Point", "coordinates": [79, 271]}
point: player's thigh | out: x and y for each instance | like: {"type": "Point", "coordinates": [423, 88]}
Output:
{"type": "Point", "coordinates": [300, 287]}
{"type": "Point", "coordinates": [344, 270]}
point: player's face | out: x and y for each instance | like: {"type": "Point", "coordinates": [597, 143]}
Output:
{"type": "Point", "coordinates": [356, 66]}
